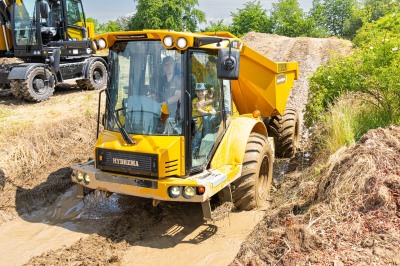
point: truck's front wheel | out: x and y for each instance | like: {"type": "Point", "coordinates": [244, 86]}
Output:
{"type": "Point", "coordinates": [252, 188]}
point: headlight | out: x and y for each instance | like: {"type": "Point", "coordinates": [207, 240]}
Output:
{"type": "Point", "coordinates": [181, 42]}
{"type": "Point", "coordinates": [188, 192]}
{"type": "Point", "coordinates": [102, 43]}
{"type": "Point", "coordinates": [168, 41]}
{"type": "Point", "coordinates": [86, 177]}
{"type": "Point", "coordinates": [174, 192]}
{"type": "Point", "coordinates": [79, 176]}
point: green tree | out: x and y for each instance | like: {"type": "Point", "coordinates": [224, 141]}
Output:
{"type": "Point", "coordinates": [372, 72]}
{"type": "Point", "coordinates": [353, 23]}
{"type": "Point", "coordinates": [336, 14]}
{"type": "Point", "coordinates": [166, 14]}
{"type": "Point", "coordinates": [375, 9]}
{"type": "Point", "coordinates": [317, 21]}
{"type": "Point", "coordinates": [250, 18]}
{"type": "Point", "coordinates": [217, 26]}
{"type": "Point", "coordinates": [289, 19]}
{"type": "Point", "coordinates": [119, 24]}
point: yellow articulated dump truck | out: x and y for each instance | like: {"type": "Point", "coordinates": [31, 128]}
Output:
{"type": "Point", "coordinates": [190, 117]}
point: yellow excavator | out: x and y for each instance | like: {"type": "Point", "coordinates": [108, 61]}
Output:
{"type": "Point", "coordinates": [190, 117]}
{"type": "Point", "coordinates": [52, 40]}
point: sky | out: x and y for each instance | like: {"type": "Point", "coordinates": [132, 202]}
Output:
{"type": "Point", "coordinates": [105, 10]}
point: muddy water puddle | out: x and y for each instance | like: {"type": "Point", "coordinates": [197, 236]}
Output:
{"type": "Point", "coordinates": [175, 232]}
{"type": "Point", "coordinates": [181, 239]}
{"type": "Point", "coordinates": [67, 220]}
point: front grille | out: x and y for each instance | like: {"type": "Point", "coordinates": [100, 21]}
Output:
{"type": "Point", "coordinates": [127, 162]}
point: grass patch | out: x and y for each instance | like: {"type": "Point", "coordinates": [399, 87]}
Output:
{"type": "Point", "coordinates": [5, 112]}
{"type": "Point", "coordinates": [347, 121]}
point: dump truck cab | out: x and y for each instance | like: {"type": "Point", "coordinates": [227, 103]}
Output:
{"type": "Point", "coordinates": [153, 96]}
{"type": "Point", "coordinates": [172, 131]}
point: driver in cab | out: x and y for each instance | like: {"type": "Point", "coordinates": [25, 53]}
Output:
{"type": "Point", "coordinates": [170, 81]}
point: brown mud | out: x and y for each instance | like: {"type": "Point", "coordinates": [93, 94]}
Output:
{"type": "Point", "coordinates": [42, 223]}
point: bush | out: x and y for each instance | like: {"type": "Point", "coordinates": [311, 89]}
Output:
{"type": "Point", "coordinates": [343, 126]}
{"type": "Point", "coordinates": [372, 70]}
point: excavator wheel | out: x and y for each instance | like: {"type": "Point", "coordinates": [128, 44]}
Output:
{"type": "Point", "coordinates": [285, 129]}
{"type": "Point", "coordinates": [15, 88]}
{"type": "Point", "coordinates": [97, 77]}
{"type": "Point", "coordinates": [35, 88]}
{"type": "Point", "coordinates": [252, 188]}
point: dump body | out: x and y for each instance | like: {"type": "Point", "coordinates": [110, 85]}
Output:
{"type": "Point", "coordinates": [263, 84]}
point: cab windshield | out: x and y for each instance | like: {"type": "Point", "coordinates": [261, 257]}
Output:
{"type": "Point", "coordinates": [24, 22]}
{"type": "Point", "coordinates": [145, 93]}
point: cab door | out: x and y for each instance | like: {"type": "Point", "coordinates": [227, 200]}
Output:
{"type": "Point", "coordinates": [76, 28]}
{"type": "Point", "coordinates": [210, 105]}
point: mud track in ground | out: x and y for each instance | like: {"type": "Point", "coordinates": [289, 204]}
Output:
{"type": "Point", "coordinates": [41, 221]}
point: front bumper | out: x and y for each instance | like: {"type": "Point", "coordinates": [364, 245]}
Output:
{"type": "Point", "coordinates": [157, 189]}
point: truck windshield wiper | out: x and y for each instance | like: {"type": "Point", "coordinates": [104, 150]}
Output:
{"type": "Point", "coordinates": [121, 129]}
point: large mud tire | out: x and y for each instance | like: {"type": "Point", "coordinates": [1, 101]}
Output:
{"type": "Point", "coordinates": [15, 88]}
{"type": "Point", "coordinates": [97, 77]}
{"type": "Point", "coordinates": [252, 188]}
{"type": "Point", "coordinates": [285, 129]}
{"type": "Point", "coordinates": [34, 88]}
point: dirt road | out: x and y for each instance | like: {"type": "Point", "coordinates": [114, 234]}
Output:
{"type": "Point", "coordinates": [41, 221]}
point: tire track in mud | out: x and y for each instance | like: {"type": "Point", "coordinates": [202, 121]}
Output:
{"type": "Point", "coordinates": [170, 231]}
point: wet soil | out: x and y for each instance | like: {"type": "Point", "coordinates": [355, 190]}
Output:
{"type": "Point", "coordinates": [42, 222]}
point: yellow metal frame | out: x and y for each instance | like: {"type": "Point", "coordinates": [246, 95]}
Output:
{"type": "Point", "coordinates": [233, 145]}
{"type": "Point", "coordinates": [167, 148]}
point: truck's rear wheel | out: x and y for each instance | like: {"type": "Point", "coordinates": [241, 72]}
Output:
{"type": "Point", "coordinates": [252, 188]}
{"type": "Point", "coordinates": [35, 88]}
{"type": "Point", "coordinates": [97, 77]}
{"type": "Point", "coordinates": [285, 129]}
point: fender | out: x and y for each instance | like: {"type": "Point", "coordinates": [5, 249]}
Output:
{"type": "Point", "coordinates": [22, 71]}
{"type": "Point", "coordinates": [85, 72]}
{"type": "Point", "coordinates": [232, 147]}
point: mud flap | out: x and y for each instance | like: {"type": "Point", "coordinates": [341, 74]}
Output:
{"type": "Point", "coordinates": [79, 191]}
{"type": "Point", "coordinates": [226, 194]}
{"type": "Point", "coordinates": [206, 207]}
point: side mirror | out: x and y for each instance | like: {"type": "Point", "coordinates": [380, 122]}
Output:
{"type": "Point", "coordinates": [228, 64]}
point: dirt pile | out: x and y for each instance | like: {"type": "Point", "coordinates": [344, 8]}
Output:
{"type": "Point", "coordinates": [351, 216]}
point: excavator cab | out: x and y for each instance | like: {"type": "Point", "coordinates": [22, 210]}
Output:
{"type": "Point", "coordinates": [39, 26]}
